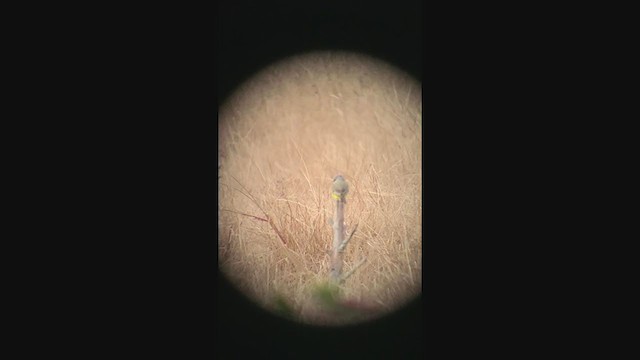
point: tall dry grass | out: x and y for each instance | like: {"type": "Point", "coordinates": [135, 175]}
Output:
{"type": "Point", "coordinates": [282, 138]}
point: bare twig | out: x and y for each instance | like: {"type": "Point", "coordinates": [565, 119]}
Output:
{"type": "Point", "coordinates": [350, 272]}
{"type": "Point", "coordinates": [241, 213]}
{"type": "Point", "coordinates": [344, 243]}
{"type": "Point", "coordinates": [275, 228]}
{"type": "Point", "coordinates": [268, 218]}
{"type": "Point", "coordinates": [248, 194]}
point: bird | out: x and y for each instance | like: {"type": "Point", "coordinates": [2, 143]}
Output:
{"type": "Point", "coordinates": [340, 188]}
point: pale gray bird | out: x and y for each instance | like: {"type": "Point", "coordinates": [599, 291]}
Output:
{"type": "Point", "coordinates": [340, 188]}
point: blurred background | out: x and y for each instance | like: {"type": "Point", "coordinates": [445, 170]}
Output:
{"type": "Point", "coordinates": [283, 135]}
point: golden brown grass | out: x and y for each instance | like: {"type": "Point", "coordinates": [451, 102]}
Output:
{"type": "Point", "coordinates": [282, 138]}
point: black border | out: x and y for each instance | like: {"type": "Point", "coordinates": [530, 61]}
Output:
{"type": "Point", "coordinates": [121, 102]}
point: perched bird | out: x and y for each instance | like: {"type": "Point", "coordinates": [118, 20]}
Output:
{"type": "Point", "coordinates": [340, 188]}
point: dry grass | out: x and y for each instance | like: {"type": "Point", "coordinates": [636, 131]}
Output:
{"type": "Point", "coordinates": [282, 138]}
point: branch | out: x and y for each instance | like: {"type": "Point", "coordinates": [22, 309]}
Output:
{"type": "Point", "coordinates": [275, 228]}
{"type": "Point", "coordinates": [241, 213]}
{"type": "Point", "coordinates": [350, 272]}
{"type": "Point", "coordinates": [344, 243]}
{"type": "Point", "coordinates": [268, 218]}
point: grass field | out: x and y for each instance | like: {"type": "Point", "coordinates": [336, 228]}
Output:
{"type": "Point", "coordinates": [283, 136]}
